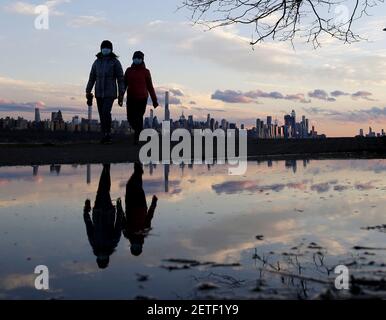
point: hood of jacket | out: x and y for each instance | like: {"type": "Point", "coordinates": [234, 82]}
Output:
{"type": "Point", "coordinates": [99, 55]}
{"type": "Point", "coordinates": [139, 66]}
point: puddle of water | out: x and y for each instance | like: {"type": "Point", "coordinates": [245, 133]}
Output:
{"type": "Point", "coordinates": [278, 231]}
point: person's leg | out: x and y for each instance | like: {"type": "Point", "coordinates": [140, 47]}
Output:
{"type": "Point", "coordinates": [132, 117]}
{"type": "Point", "coordinates": [103, 198]}
{"type": "Point", "coordinates": [135, 195]}
{"type": "Point", "coordinates": [108, 105]}
{"type": "Point", "coordinates": [129, 112]}
{"type": "Point", "coordinates": [100, 104]}
{"type": "Point", "coordinates": [141, 112]}
{"type": "Point", "coordinates": [140, 108]}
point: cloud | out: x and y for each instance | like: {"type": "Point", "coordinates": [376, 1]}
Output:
{"type": "Point", "coordinates": [86, 21]}
{"type": "Point", "coordinates": [321, 95]}
{"type": "Point", "coordinates": [232, 96]}
{"type": "Point", "coordinates": [157, 186]}
{"type": "Point", "coordinates": [235, 187]}
{"type": "Point", "coordinates": [16, 281]}
{"type": "Point", "coordinates": [362, 95]}
{"type": "Point", "coordinates": [338, 93]}
{"type": "Point", "coordinates": [174, 95]}
{"type": "Point", "coordinates": [21, 8]}
{"type": "Point", "coordinates": [188, 41]}
{"type": "Point", "coordinates": [361, 115]}
{"type": "Point", "coordinates": [25, 8]}
{"type": "Point", "coordinates": [340, 187]}
{"type": "Point", "coordinates": [321, 187]}
{"type": "Point", "coordinates": [12, 106]}
{"type": "Point", "coordinates": [364, 186]}
{"type": "Point", "coordinates": [207, 109]}
{"type": "Point", "coordinates": [32, 88]}
{"type": "Point", "coordinates": [177, 92]}
{"type": "Point", "coordinates": [269, 62]}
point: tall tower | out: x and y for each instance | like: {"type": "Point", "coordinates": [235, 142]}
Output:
{"type": "Point", "coordinates": [307, 126]}
{"type": "Point", "coordinates": [166, 177]}
{"type": "Point", "coordinates": [88, 178]}
{"type": "Point", "coordinates": [293, 114]}
{"type": "Point", "coordinates": [293, 124]}
{"type": "Point", "coordinates": [89, 113]}
{"type": "Point", "coordinates": [167, 112]}
{"type": "Point", "coordinates": [151, 118]}
{"type": "Point", "coordinates": [35, 170]}
{"type": "Point", "coordinates": [37, 115]}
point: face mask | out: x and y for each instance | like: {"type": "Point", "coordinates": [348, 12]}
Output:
{"type": "Point", "coordinates": [106, 51]}
{"type": "Point", "coordinates": [137, 61]}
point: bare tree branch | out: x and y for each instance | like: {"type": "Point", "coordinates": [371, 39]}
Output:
{"type": "Point", "coordinates": [284, 20]}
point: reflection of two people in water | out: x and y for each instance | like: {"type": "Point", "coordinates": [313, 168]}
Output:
{"type": "Point", "coordinates": [108, 221]}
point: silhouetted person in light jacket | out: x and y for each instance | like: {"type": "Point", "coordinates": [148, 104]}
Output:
{"type": "Point", "coordinates": [107, 76]}
{"type": "Point", "coordinates": [139, 84]}
{"type": "Point", "coordinates": [137, 220]}
{"type": "Point", "coordinates": [105, 227]}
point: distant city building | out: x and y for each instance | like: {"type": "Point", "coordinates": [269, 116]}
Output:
{"type": "Point", "coordinates": [371, 133]}
{"type": "Point", "coordinates": [37, 115]}
{"type": "Point", "coordinates": [89, 113]}
{"type": "Point", "coordinates": [167, 112]}
{"type": "Point", "coordinates": [289, 130]}
{"type": "Point", "coordinates": [56, 116]}
{"type": "Point", "coordinates": [151, 118]}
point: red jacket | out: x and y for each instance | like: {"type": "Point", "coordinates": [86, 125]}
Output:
{"type": "Point", "coordinates": [139, 84]}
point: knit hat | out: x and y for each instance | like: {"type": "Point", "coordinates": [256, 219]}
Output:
{"type": "Point", "coordinates": [106, 44]}
{"type": "Point", "coordinates": [138, 55]}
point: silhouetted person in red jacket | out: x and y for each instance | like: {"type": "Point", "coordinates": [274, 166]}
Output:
{"type": "Point", "coordinates": [139, 84]}
{"type": "Point", "coordinates": [105, 227]}
{"type": "Point", "coordinates": [137, 220]}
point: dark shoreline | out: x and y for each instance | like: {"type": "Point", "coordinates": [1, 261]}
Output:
{"type": "Point", "coordinates": [83, 152]}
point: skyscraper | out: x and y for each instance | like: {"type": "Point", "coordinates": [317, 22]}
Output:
{"type": "Point", "coordinates": [190, 122]}
{"type": "Point", "coordinates": [211, 124]}
{"type": "Point", "coordinates": [258, 128]}
{"type": "Point", "coordinates": [89, 113]}
{"type": "Point", "coordinates": [151, 118]}
{"type": "Point", "coordinates": [166, 177]}
{"type": "Point", "coordinates": [75, 120]}
{"type": "Point", "coordinates": [57, 116]}
{"type": "Point", "coordinates": [293, 124]}
{"type": "Point", "coordinates": [224, 124]}
{"type": "Point", "coordinates": [37, 115]}
{"type": "Point", "coordinates": [167, 112]}
{"type": "Point", "coordinates": [307, 127]}
{"type": "Point", "coordinates": [293, 115]}
{"type": "Point", "coordinates": [88, 178]}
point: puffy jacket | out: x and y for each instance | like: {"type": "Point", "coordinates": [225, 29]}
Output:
{"type": "Point", "coordinates": [139, 83]}
{"type": "Point", "coordinates": [104, 230]}
{"type": "Point", "coordinates": [105, 73]}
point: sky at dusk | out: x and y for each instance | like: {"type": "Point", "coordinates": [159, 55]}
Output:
{"type": "Point", "coordinates": [340, 87]}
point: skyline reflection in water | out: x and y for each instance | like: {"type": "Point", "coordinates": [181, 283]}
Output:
{"type": "Point", "coordinates": [202, 214]}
